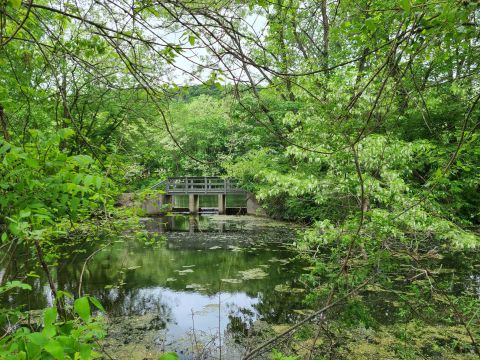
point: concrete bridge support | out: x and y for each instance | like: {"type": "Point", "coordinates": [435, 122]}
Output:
{"type": "Point", "coordinates": [222, 203]}
{"type": "Point", "coordinates": [166, 199]}
{"type": "Point", "coordinates": [253, 207]}
{"type": "Point", "coordinates": [157, 204]}
{"type": "Point", "coordinates": [193, 204]}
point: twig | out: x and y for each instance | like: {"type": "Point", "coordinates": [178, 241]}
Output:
{"type": "Point", "coordinates": [307, 319]}
{"type": "Point", "coordinates": [84, 266]}
{"type": "Point", "coordinates": [219, 322]}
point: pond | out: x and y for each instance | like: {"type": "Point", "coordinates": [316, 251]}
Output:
{"type": "Point", "coordinates": [210, 279]}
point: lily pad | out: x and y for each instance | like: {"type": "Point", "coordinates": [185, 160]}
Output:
{"type": "Point", "coordinates": [232, 281]}
{"type": "Point", "coordinates": [253, 274]}
{"type": "Point", "coordinates": [195, 287]}
{"type": "Point", "coordinates": [285, 288]}
{"type": "Point", "coordinates": [133, 267]}
{"type": "Point", "coordinates": [215, 247]}
{"type": "Point", "coordinates": [281, 261]}
{"type": "Point", "coordinates": [171, 279]}
{"type": "Point", "coordinates": [184, 272]}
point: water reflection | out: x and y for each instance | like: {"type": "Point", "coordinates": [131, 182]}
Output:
{"type": "Point", "coordinates": [191, 223]}
{"type": "Point", "coordinates": [198, 276]}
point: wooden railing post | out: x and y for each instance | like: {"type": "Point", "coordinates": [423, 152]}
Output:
{"type": "Point", "coordinates": [200, 185]}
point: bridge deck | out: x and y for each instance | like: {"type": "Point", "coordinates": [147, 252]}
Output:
{"type": "Point", "coordinates": [200, 185]}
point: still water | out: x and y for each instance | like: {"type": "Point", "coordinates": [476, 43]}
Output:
{"type": "Point", "coordinates": [210, 280]}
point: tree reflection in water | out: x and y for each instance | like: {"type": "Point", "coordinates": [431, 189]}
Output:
{"type": "Point", "coordinates": [184, 274]}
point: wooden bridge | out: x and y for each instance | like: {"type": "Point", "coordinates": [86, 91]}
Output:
{"type": "Point", "coordinates": [195, 186]}
{"type": "Point", "coordinates": [200, 185]}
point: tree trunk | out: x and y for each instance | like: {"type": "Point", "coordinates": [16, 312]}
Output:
{"type": "Point", "coordinates": [326, 35]}
{"type": "Point", "coordinates": [58, 301]}
{"type": "Point", "coordinates": [66, 116]}
{"type": "Point", "coordinates": [3, 124]}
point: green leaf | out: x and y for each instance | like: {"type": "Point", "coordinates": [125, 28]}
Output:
{"type": "Point", "coordinates": [370, 24]}
{"type": "Point", "coordinates": [82, 160]}
{"type": "Point", "coordinates": [32, 163]}
{"type": "Point", "coordinates": [17, 284]}
{"type": "Point", "coordinates": [33, 350]}
{"type": "Point", "coordinates": [85, 351]}
{"type": "Point", "coordinates": [16, 3]}
{"type": "Point", "coordinates": [49, 316]}
{"type": "Point", "coordinates": [82, 308]}
{"type": "Point", "coordinates": [55, 349]}
{"type": "Point", "coordinates": [152, 11]}
{"type": "Point", "coordinates": [65, 133]}
{"type": "Point", "coordinates": [98, 182]}
{"type": "Point", "coordinates": [88, 180]}
{"type": "Point", "coordinates": [25, 213]}
{"type": "Point", "coordinates": [50, 331]}
{"type": "Point", "coordinates": [38, 339]}
{"type": "Point", "coordinates": [67, 342]}
{"type": "Point", "coordinates": [4, 237]}
{"type": "Point", "coordinates": [169, 356]}
{"type": "Point", "coordinates": [33, 274]}
{"type": "Point", "coordinates": [96, 303]}
{"type": "Point", "coordinates": [405, 4]}
{"type": "Point", "coordinates": [65, 294]}
{"type": "Point", "coordinates": [191, 40]}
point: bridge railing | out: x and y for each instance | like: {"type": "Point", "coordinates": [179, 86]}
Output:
{"type": "Point", "coordinates": [201, 185]}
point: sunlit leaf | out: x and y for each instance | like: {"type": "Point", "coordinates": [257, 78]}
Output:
{"type": "Point", "coordinates": [49, 316]}
{"type": "Point", "coordinates": [96, 303]}
{"type": "Point", "coordinates": [169, 356]}
{"type": "Point", "coordinates": [82, 308]}
{"type": "Point", "coordinates": [55, 349]}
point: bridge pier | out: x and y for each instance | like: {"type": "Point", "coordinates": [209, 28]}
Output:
{"type": "Point", "coordinates": [156, 205]}
{"type": "Point", "coordinates": [165, 199]}
{"type": "Point", "coordinates": [193, 204]}
{"type": "Point", "coordinates": [222, 203]}
{"type": "Point", "coordinates": [253, 207]}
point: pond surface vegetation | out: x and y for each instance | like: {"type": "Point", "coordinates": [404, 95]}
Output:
{"type": "Point", "coordinates": [198, 285]}
{"type": "Point", "coordinates": [195, 279]}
